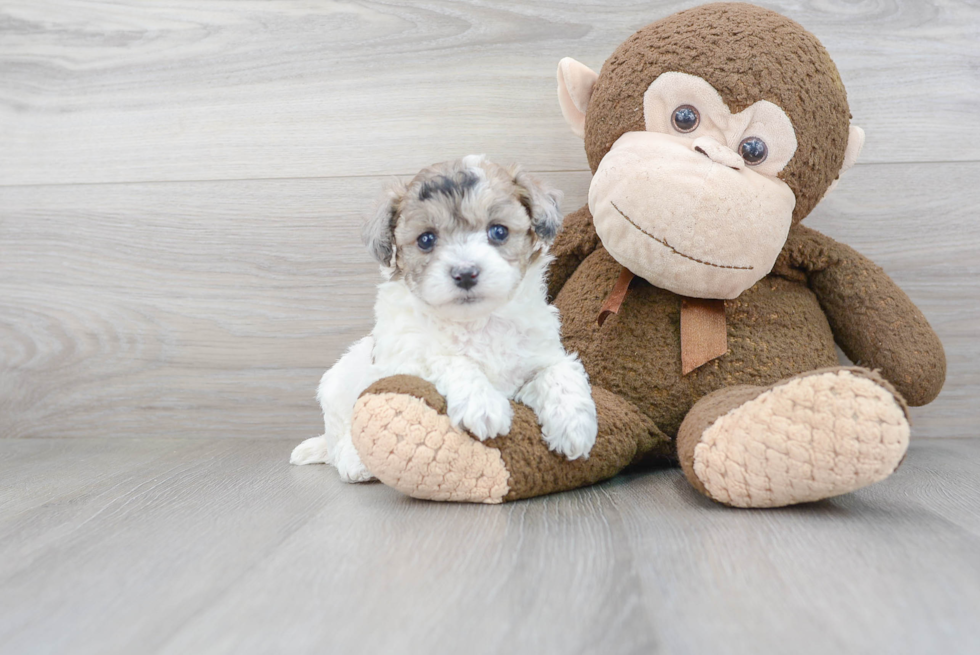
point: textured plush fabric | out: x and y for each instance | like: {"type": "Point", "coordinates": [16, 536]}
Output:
{"type": "Point", "coordinates": [404, 437]}
{"type": "Point", "coordinates": [708, 410]}
{"type": "Point", "coordinates": [704, 332]}
{"type": "Point", "coordinates": [815, 436]}
{"type": "Point", "coordinates": [574, 243]}
{"type": "Point", "coordinates": [747, 54]}
{"type": "Point", "coordinates": [412, 386]}
{"type": "Point", "coordinates": [874, 321]}
{"type": "Point", "coordinates": [679, 218]}
{"type": "Point", "coordinates": [776, 329]}
{"type": "Point", "coordinates": [575, 82]}
{"type": "Point", "coordinates": [411, 447]}
{"type": "Point", "coordinates": [783, 326]}
{"type": "Point", "coordinates": [535, 470]}
{"type": "Point", "coordinates": [720, 130]}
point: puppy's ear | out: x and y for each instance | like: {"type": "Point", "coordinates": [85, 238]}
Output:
{"type": "Point", "coordinates": [378, 232]}
{"type": "Point", "coordinates": [542, 203]}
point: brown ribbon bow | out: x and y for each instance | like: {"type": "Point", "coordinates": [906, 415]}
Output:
{"type": "Point", "coordinates": [704, 335]}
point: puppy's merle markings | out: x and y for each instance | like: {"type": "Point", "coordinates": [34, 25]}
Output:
{"type": "Point", "coordinates": [465, 309]}
{"type": "Point", "coordinates": [378, 233]}
{"type": "Point", "coordinates": [449, 186]}
{"type": "Point", "coordinates": [546, 230]}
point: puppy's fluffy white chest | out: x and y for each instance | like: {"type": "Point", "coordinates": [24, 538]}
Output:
{"type": "Point", "coordinates": [509, 346]}
{"type": "Point", "coordinates": [463, 248]}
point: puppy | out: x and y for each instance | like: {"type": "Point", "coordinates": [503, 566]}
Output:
{"type": "Point", "coordinates": [463, 249]}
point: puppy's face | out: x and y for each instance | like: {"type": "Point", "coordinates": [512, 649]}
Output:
{"type": "Point", "coordinates": [462, 234]}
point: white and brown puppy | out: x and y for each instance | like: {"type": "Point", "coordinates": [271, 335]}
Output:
{"type": "Point", "coordinates": [464, 251]}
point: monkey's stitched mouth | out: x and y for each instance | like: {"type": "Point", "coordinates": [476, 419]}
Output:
{"type": "Point", "coordinates": [674, 250]}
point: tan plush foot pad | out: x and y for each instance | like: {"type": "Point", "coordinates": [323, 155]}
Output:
{"type": "Point", "coordinates": [412, 448]}
{"type": "Point", "coordinates": [404, 438]}
{"type": "Point", "coordinates": [811, 438]}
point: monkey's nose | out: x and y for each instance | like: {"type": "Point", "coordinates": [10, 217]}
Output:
{"type": "Point", "coordinates": [465, 276]}
{"type": "Point", "coordinates": [718, 153]}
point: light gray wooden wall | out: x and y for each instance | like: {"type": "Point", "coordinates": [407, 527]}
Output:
{"type": "Point", "coordinates": [181, 184]}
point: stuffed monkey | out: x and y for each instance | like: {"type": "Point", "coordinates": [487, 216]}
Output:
{"type": "Point", "coordinates": [704, 311]}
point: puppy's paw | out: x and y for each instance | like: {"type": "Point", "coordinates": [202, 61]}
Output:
{"type": "Point", "coordinates": [571, 432]}
{"type": "Point", "coordinates": [349, 464]}
{"type": "Point", "coordinates": [485, 415]}
{"type": "Point", "coordinates": [311, 451]}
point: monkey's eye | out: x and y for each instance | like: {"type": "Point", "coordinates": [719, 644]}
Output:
{"type": "Point", "coordinates": [426, 241]}
{"type": "Point", "coordinates": [497, 234]}
{"type": "Point", "coordinates": [753, 150]}
{"type": "Point", "coordinates": [685, 119]}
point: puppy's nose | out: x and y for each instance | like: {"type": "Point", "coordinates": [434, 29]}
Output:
{"type": "Point", "coordinates": [465, 276]}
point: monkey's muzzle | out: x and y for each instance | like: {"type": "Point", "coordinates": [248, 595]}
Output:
{"type": "Point", "coordinates": [685, 222]}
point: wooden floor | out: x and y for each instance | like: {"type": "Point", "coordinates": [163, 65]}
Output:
{"type": "Point", "coordinates": [181, 188]}
{"type": "Point", "coordinates": [218, 546]}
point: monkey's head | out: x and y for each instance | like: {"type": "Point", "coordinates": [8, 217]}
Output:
{"type": "Point", "coordinates": [709, 133]}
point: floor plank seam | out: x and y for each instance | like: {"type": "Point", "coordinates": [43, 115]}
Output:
{"type": "Point", "coordinates": [559, 171]}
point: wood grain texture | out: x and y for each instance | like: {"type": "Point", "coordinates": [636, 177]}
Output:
{"type": "Point", "coordinates": [211, 309]}
{"type": "Point", "coordinates": [203, 546]}
{"type": "Point", "coordinates": [181, 184]}
{"type": "Point", "coordinates": [145, 304]}
{"type": "Point", "coordinates": [99, 91]}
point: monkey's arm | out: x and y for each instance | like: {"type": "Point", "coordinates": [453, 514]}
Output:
{"type": "Point", "coordinates": [874, 322]}
{"type": "Point", "coordinates": [575, 241]}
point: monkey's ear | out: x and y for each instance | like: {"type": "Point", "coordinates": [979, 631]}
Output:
{"type": "Point", "coordinates": [855, 141]}
{"type": "Point", "coordinates": [378, 232]}
{"type": "Point", "coordinates": [575, 84]}
{"type": "Point", "coordinates": [543, 205]}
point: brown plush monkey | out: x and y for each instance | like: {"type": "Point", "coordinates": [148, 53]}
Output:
{"type": "Point", "coordinates": [704, 313]}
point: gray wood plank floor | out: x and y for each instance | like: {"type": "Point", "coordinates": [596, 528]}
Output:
{"type": "Point", "coordinates": [181, 185]}
{"type": "Point", "coordinates": [218, 546]}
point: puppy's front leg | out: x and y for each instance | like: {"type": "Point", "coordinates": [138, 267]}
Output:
{"type": "Point", "coordinates": [471, 401]}
{"type": "Point", "coordinates": [562, 399]}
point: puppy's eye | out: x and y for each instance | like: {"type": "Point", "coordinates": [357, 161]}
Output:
{"type": "Point", "coordinates": [498, 233]}
{"type": "Point", "coordinates": [426, 241]}
{"type": "Point", "coordinates": [685, 119]}
{"type": "Point", "coordinates": [753, 150]}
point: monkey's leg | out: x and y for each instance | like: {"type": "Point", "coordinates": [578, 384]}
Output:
{"type": "Point", "coordinates": [402, 433]}
{"type": "Point", "coordinates": [813, 436]}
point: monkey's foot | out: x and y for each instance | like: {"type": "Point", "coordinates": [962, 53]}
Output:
{"type": "Point", "coordinates": [403, 436]}
{"type": "Point", "coordinates": [814, 436]}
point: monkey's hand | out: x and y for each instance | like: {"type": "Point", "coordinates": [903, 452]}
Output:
{"type": "Point", "coordinates": [873, 321]}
